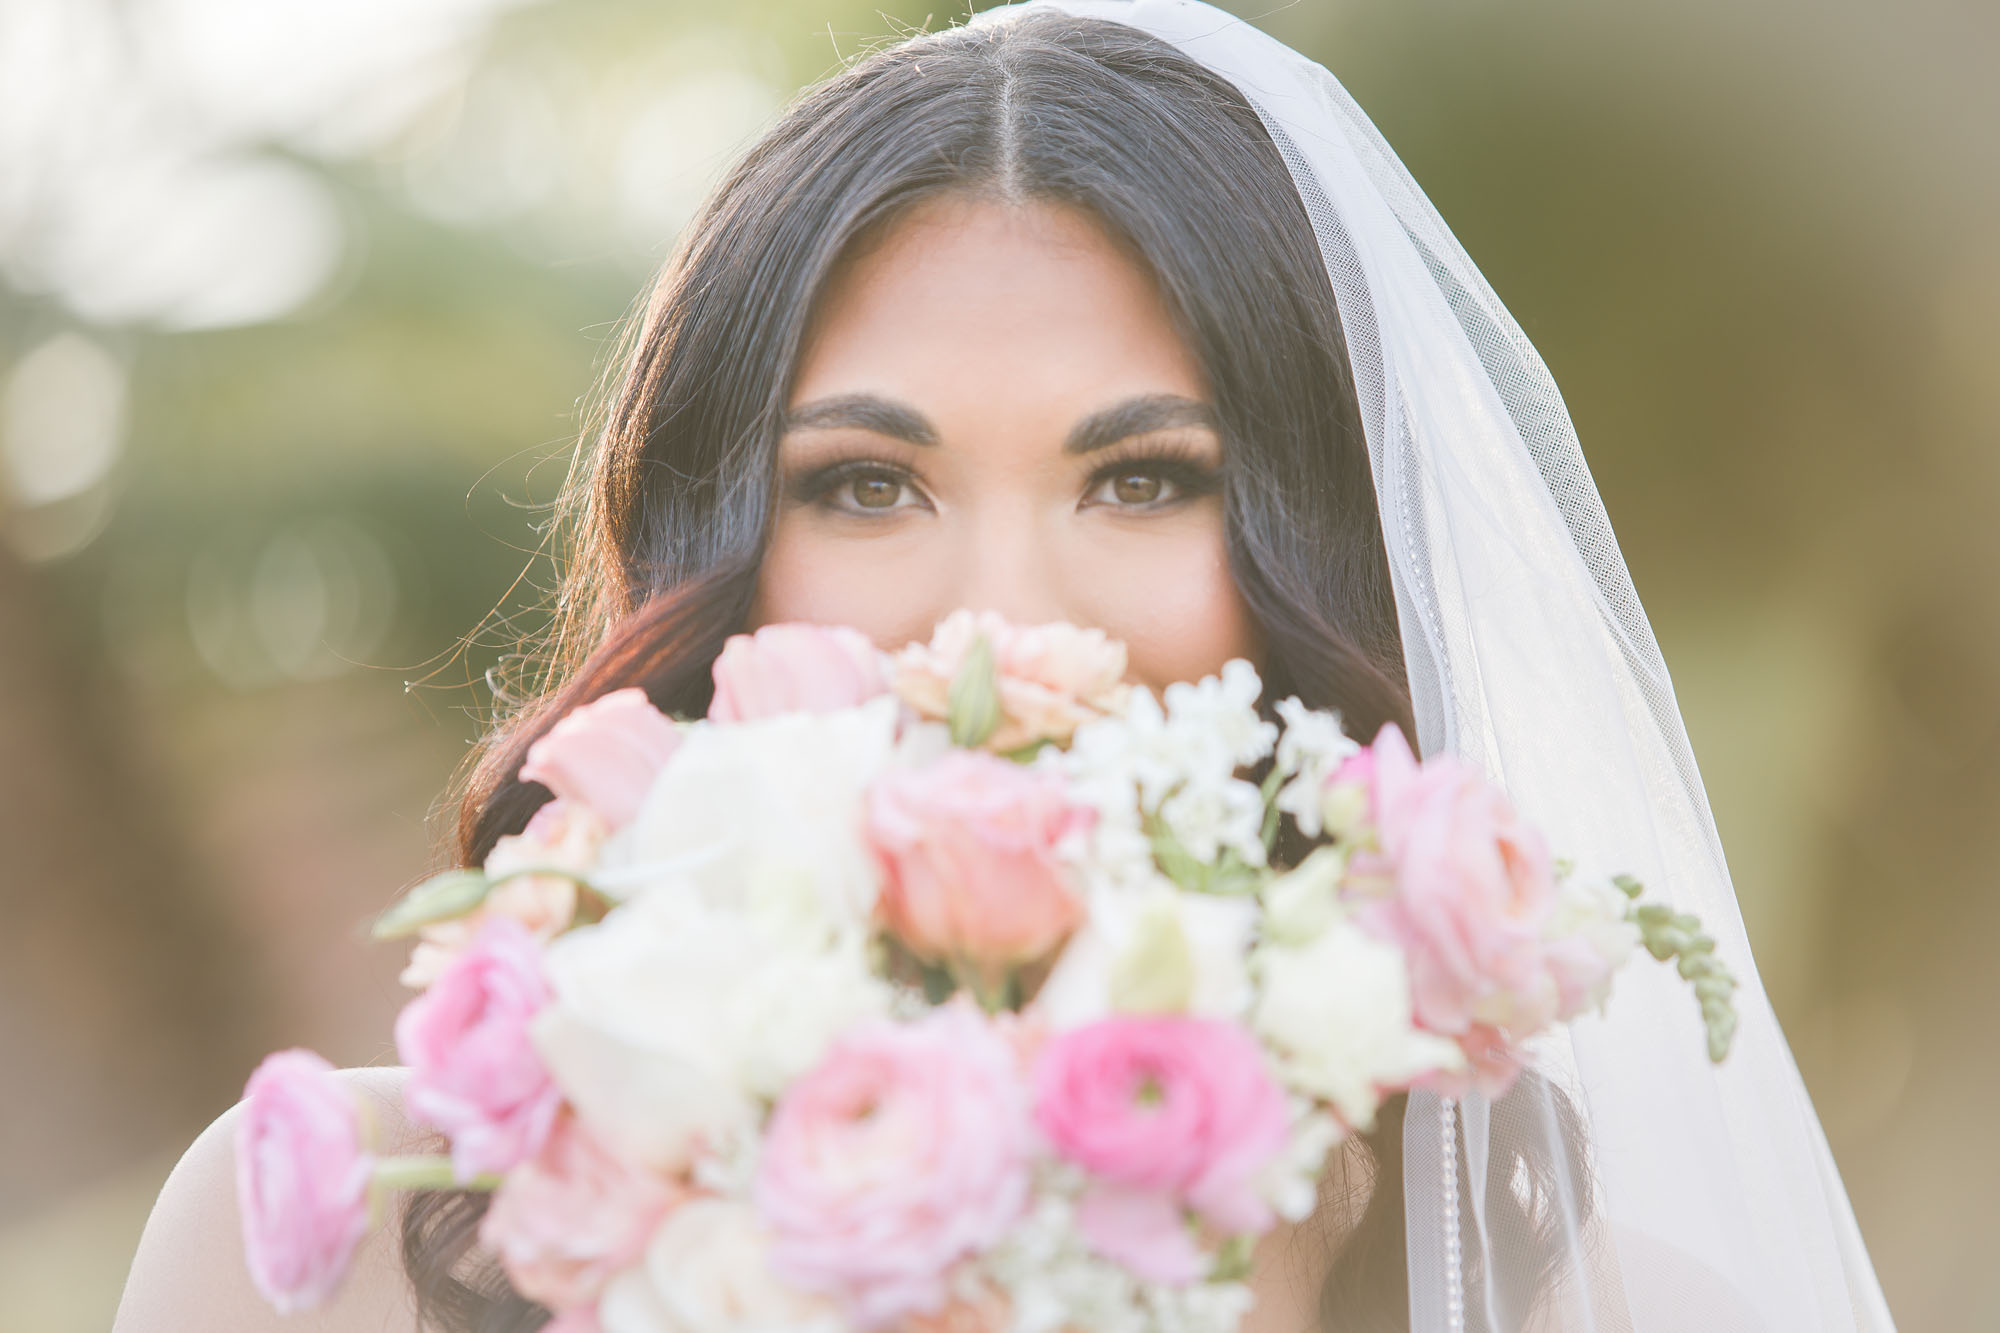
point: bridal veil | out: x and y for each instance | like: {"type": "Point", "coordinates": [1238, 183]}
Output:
{"type": "Point", "coordinates": [1712, 1198]}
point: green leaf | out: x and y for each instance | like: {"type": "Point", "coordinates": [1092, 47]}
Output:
{"type": "Point", "coordinates": [439, 898]}
{"type": "Point", "coordinates": [1176, 862]}
{"type": "Point", "coordinates": [972, 704]}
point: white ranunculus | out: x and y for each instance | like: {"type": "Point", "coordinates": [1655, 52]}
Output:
{"type": "Point", "coordinates": [670, 1016]}
{"type": "Point", "coordinates": [707, 1270]}
{"type": "Point", "coordinates": [1305, 900]}
{"type": "Point", "coordinates": [1338, 1012]}
{"type": "Point", "coordinates": [767, 816]}
{"type": "Point", "coordinates": [1217, 932]}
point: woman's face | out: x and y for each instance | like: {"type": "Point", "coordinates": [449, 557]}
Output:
{"type": "Point", "coordinates": [994, 411]}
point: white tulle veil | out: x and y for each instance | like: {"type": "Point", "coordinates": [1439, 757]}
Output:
{"type": "Point", "coordinates": [1713, 1200]}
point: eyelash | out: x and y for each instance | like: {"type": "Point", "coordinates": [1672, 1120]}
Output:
{"type": "Point", "coordinates": [1180, 465]}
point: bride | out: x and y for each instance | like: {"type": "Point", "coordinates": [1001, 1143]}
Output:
{"type": "Point", "coordinates": [1120, 312]}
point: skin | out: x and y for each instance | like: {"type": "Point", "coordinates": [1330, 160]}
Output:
{"type": "Point", "coordinates": [998, 334]}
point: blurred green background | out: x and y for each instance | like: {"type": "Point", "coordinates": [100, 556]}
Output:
{"type": "Point", "coordinates": [300, 302]}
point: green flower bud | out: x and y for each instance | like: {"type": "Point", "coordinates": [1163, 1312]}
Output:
{"type": "Point", "coordinates": [1155, 975]}
{"type": "Point", "coordinates": [439, 898]}
{"type": "Point", "coordinates": [972, 703]}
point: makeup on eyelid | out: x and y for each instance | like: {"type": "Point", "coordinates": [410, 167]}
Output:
{"type": "Point", "coordinates": [1188, 469]}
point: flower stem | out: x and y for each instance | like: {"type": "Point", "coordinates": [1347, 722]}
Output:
{"type": "Point", "coordinates": [426, 1173]}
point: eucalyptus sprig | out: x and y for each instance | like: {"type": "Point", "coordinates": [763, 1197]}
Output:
{"type": "Point", "coordinates": [1679, 936]}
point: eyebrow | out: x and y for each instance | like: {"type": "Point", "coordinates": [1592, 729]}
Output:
{"type": "Point", "coordinates": [1101, 429]}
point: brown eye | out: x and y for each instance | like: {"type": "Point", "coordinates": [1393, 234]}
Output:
{"type": "Point", "coordinates": [1138, 488]}
{"type": "Point", "coordinates": [875, 492]}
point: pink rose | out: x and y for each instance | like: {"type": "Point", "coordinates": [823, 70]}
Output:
{"type": "Point", "coordinates": [1052, 677]}
{"type": "Point", "coordinates": [968, 848]}
{"type": "Point", "coordinates": [903, 1152]}
{"type": "Point", "coordinates": [1143, 1231]}
{"type": "Point", "coordinates": [473, 1072]}
{"type": "Point", "coordinates": [1492, 1063]}
{"type": "Point", "coordinates": [573, 1215]}
{"type": "Point", "coordinates": [795, 669]}
{"type": "Point", "coordinates": [1165, 1112]}
{"type": "Point", "coordinates": [605, 754]}
{"type": "Point", "coordinates": [302, 1177]}
{"type": "Point", "coordinates": [1472, 892]}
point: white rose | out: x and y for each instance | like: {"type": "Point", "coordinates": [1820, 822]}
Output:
{"type": "Point", "coordinates": [1338, 1012]}
{"type": "Point", "coordinates": [766, 815]}
{"type": "Point", "coordinates": [707, 1270]}
{"type": "Point", "coordinates": [1302, 902]}
{"type": "Point", "coordinates": [670, 1016]}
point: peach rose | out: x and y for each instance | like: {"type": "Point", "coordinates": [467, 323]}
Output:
{"type": "Point", "coordinates": [968, 848]}
{"type": "Point", "coordinates": [1052, 678]}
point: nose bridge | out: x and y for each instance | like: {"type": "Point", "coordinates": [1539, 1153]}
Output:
{"type": "Point", "coordinates": [1010, 563]}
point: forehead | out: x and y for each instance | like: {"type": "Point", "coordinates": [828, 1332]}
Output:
{"type": "Point", "coordinates": [973, 299]}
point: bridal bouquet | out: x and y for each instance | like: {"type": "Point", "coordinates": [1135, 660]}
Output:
{"type": "Point", "coordinates": [956, 989]}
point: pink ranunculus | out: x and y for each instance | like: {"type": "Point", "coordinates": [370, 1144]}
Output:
{"type": "Point", "coordinates": [605, 754]}
{"type": "Point", "coordinates": [1053, 678]}
{"type": "Point", "coordinates": [795, 668]}
{"type": "Point", "coordinates": [473, 1072]}
{"type": "Point", "coordinates": [1170, 1112]}
{"type": "Point", "coordinates": [968, 848]}
{"type": "Point", "coordinates": [302, 1179]}
{"type": "Point", "coordinates": [1142, 1231]}
{"type": "Point", "coordinates": [905, 1151]}
{"type": "Point", "coordinates": [1473, 888]}
{"type": "Point", "coordinates": [570, 1217]}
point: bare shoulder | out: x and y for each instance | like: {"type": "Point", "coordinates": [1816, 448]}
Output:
{"type": "Point", "coordinates": [189, 1274]}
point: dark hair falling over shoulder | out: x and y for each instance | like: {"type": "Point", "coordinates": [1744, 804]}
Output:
{"type": "Point", "coordinates": [668, 505]}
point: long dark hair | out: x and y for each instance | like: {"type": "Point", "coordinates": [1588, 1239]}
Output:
{"type": "Point", "coordinates": [668, 507]}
